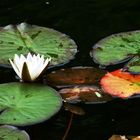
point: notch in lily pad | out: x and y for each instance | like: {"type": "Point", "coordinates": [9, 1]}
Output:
{"type": "Point", "coordinates": [25, 104]}
{"type": "Point", "coordinates": [118, 48]}
{"type": "Point", "coordinates": [24, 38]}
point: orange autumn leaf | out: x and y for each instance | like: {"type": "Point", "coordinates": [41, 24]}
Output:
{"type": "Point", "coordinates": [126, 75]}
{"type": "Point", "coordinates": [121, 84]}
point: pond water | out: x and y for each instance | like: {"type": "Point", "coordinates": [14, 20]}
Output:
{"type": "Point", "coordinates": [85, 21]}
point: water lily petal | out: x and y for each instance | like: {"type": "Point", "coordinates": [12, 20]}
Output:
{"type": "Point", "coordinates": [22, 58]}
{"type": "Point", "coordinates": [17, 62]}
{"type": "Point", "coordinates": [40, 66]}
{"type": "Point", "coordinates": [15, 68]}
{"type": "Point", "coordinates": [29, 57]}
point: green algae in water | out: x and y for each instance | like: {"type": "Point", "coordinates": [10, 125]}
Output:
{"type": "Point", "coordinates": [24, 38]}
{"type": "Point", "coordinates": [25, 104]}
{"type": "Point", "coordinates": [118, 48]}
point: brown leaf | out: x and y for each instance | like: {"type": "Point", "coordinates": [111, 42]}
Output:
{"type": "Point", "coordinates": [74, 109]}
{"type": "Point", "coordinates": [84, 93]}
{"type": "Point", "coordinates": [136, 138]}
{"type": "Point", "coordinates": [117, 137]}
{"type": "Point", "coordinates": [74, 76]}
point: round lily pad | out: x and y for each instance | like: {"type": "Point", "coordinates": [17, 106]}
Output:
{"type": "Point", "coordinates": [116, 48]}
{"type": "Point", "coordinates": [25, 104]}
{"type": "Point", "coordinates": [25, 38]}
{"type": "Point", "coordinates": [74, 76]}
{"type": "Point", "coordinates": [12, 133]}
{"type": "Point", "coordinates": [121, 84]}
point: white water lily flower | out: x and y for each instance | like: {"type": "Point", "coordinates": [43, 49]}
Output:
{"type": "Point", "coordinates": [31, 67]}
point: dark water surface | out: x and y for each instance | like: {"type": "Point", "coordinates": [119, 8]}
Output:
{"type": "Point", "coordinates": [85, 21]}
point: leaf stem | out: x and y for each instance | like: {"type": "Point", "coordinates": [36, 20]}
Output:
{"type": "Point", "coordinates": [68, 127]}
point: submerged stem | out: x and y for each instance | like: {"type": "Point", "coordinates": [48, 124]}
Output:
{"type": "Point", "coordinates": [68, 127]}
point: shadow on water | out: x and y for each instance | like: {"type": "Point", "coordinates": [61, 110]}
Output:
{"type": "Point", "coordinates": [86, 21]}
{"type": "Point", "coordinates": [100, 122]}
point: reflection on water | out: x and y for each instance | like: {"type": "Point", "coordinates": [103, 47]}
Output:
{"type": "Point", "coordinates": [99, 123]}
{"type": "Point", "coordinates": [86, 21]}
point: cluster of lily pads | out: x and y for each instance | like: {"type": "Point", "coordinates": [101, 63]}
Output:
{"type": "Point", "coordinates": [36, 48]}
{"type": "Point", "coordinates": [115, 49]}
{"type": "Point", "coordinates": [29, 102]}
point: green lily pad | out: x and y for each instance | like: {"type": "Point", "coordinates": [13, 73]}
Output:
{"type": "Point", "coordinates": [25, 38]}
{"type": "Point", "coordinates": [133, 65]}
{"type": "Point", "coordinates": [25, 104]}
{"type": "Point", "coordinates": [12, 133]}
{"type": "Point", "coordinates": [117, 48]}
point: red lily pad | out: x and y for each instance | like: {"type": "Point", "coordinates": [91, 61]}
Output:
{"type": "Point", "coordinates": [126, 75]}
{"type": "Point", "coordinates": [121, 84]}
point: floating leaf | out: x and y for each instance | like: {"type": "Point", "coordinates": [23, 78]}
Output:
{"type": "Point", "coordinates": [136, 138]}
{"type": "Point", "coordinates": [126, 75]}
{"type": "Point", "coordinates": [74, 76]}
{"type": "Point", "coordinates": [12, 133]}
{"type": "Point", "coordinates": [133, 137]}
{"type": "Point", "coordinates": [121, 84]}
{"type": "Point", "coordinates": [74, 109]}
{"type": "Point", "coordinates": [25, 38]}
{"type": "Point", "coordinates": [24, 104]}
{"type": "Point", "coordinates": [117, 137]}
{"type": "Point", "coordinates": [117, 48]}
{"type": "Point", "coordinates": [87, 94]}
{"type": "Point", "coordinates": [133, 65]}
